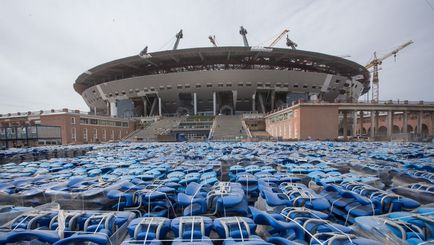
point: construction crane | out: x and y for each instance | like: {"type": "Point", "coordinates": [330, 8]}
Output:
{"type": "Point", "coordinates": [212, 40]}
{"type": "Point", "coordinates": [243, 33]}
{"type": "Point", "coordinates": [178, 36]}
{"type": "Point", "coordinates": [278, 38]}
{"type": "Point", "coordinates": [375, 63]}
{"type": "Point", "coordinates": [290, 43]}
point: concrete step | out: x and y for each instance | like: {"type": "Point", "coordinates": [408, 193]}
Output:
{"type": "Point", "coordinates": [228, 128]}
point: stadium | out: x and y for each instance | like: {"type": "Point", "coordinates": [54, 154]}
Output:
{"type": "Point", "coordinates": [218, 80]}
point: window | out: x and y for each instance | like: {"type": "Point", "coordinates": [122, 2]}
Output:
{"type": "Point", "coordinates": [228, 84]}
{"type": "Point", "coordinates": [187, 85]}
{"type": "Point", "coordinates": [169, 86]}
{"type": "Point", "coordinates": [240, 84]}
{"type": "Point", "coordinates": [198, 85]}
{"type": "Point", "coordinates": [85, 134]}
{"type": "Point", "coordinates": [220, 84]}
{"type": "Point", "coordinates": [73, 134]}
{"type": "Point", "coordinates": [72, 120]}
{"type": "Point", "coordinates": [209, 85]}
{"type": "Point", "coordinates": [179, 86]}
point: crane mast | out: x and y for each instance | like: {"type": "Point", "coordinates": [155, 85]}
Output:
{"type": "Point", "coordinates": [213, 40]}
{"type": "Point", "coordinates": [278, 37]}
{"type": "Point", "coordinates": [243, 33]}
{"type": "Point", "coordinates": [178, 36]}
{"type": "Point", "coordinates": [375, 63]}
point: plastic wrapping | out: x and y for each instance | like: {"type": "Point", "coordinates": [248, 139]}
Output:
{"type": "Point", "coordinates": [50, 224]}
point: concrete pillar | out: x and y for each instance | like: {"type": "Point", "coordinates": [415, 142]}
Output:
{"type": "Point", "coordinates": [234, 99]}
{"type": "Point", "coordinates": [354, 123]}
{"type": "Point", "coordinates": [214, 103]}
{"type": "Point", "coordinates": [361, 122]}
{"type": "Point", "coordinates": [372, 124]}
{"type": "Point", "coordinates": [145, 106]}
{"type": "Point", "coordinates": [432, 124]}
{"type": "Point", "coordinates": [195, 103]}
{"type": "Point", "coordinates": [273, 96]}
{"type": "Point", "coordinates": [377, 118]}
{"type": "Point", "coordinates": [253, 102]}
{"type": "Point", "coordinates": [113, 109]}
{"type": "Point", "coordinates": [404, 122]}
{"type": "Point", "coordinates": [345, 124]}
{"type": "Point", "coordinates": [419, 123]}
{"type": "Point", "coordinates": [389, 124]}
{"type": "Point", "coordinates": [159, 106]}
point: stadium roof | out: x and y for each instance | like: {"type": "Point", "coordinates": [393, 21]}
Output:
{"type": "Point", "coordinates": [204, 58]}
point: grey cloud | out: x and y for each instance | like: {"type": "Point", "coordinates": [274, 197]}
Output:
{"type": "Point", "coordinates": [46, 44]}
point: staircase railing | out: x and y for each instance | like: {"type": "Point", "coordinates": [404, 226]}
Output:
{"type": "Point", "coordinates": [214, 125]}
{"type": "Point", "coordinates": [246, 129]}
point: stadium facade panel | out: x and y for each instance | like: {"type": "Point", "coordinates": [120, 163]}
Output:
{"type": "Point", "coordinates": [218, 80]}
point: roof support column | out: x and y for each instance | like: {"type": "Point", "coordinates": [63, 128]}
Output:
{"type": "Point", "coordinates": [345, 124]}
{"type": "Point", "coordinates": [373, 116]}
{"type": "Point", "coordinates": [145, 106]}
{"type": "Point", "coordinates": [389, 124]}
{"type": "Point", "coordinates": [214, 103]}
{"type": "Point", "coordinates": [159, 106]}
{"type": "Point", "coordinates": [195, 103]}
{"type": "Point", "coordinates": [354, 123]}
{"type": "Point", "coordinates": [361, 122]}
{"type": "Point", "coordinates": [253, 101]}
{"type": "Point", "coordinates": [405, 122]}
{"type": "Point", "coordinates": [234, 100]}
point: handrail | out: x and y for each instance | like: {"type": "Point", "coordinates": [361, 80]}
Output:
{"type": "Point", "coordinates": [214, 125]}
{"type": "Point", "coordinates": [246, 129]}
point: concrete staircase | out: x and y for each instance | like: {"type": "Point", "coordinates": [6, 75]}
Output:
{"type": "Point", "coordinates": [228, 128]}
{"type": "Point", "coordinates": [162, 126]}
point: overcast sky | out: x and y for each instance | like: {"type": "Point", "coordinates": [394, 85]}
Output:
{"type": "Point", "coordinates": [45, 45]}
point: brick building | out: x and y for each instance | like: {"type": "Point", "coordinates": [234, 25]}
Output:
{"type": "Point", "coordinates": [76, 127]}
